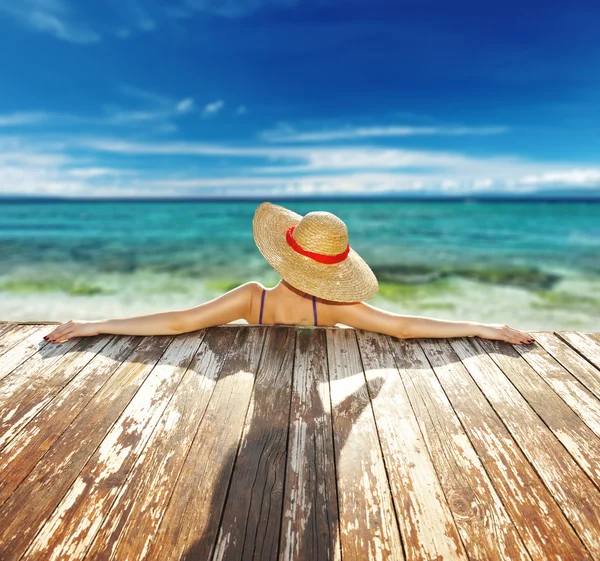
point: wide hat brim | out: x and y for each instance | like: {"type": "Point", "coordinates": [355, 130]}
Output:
{"type": "Point", "coordinates": [350, 280]}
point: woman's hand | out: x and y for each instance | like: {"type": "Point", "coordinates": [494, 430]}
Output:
{"type": "Point", "coordinates": [70, 329]}
{"type": "Point", "coordinates": [502, 332]}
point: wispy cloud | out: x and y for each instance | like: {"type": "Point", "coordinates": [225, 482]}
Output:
{"type": "Point", "coordinates": [23, 118]}
{"type": "Point", "coordinates": [241, 110]}
{"type": "Point", "coordinates": [581, 177]}
{"type": "Point", "coordinates": [49, 16]}
{"type": "Point", "coordinates": [185, 105]}
{"type": "Point", "coordinates": [213, 108]}
{"type": "Point", "coordinates": [286, 133]}
{"type": "Point", "coordinates": [310, 159]}
{"type": "Point", "coordinates": [235, 8]}
{"type": "Point", "coordinates": [84, 165]}
{"type": "Point", "coordinates": [63, 18]}
{"type": "Point", "coordinates": [446, 170]}
{"type": "Point", "coordinates": [156, 108]}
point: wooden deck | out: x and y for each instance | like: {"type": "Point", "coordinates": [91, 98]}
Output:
{"type": "Point", "coordinates": [283, 442]}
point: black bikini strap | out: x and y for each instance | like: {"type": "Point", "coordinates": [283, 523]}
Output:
{"type": "Point", "coordinates": [262, 301]}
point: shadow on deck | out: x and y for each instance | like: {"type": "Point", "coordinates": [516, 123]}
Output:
{"type": "Point", "coordinates": [253, 442]}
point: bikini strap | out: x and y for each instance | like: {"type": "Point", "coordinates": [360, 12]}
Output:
{"type": "Point", "coordinates": [315, 308]}
{"type": "Point", "coordinates": [262, 302]}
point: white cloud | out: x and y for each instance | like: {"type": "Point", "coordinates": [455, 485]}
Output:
{"type": "Point", "coordinates": [144, 95]}
{"type": "Point", "coordinates": [286, 133]}
{"type": "Point", "coordinates": [213, 108]}
{"type": "Point", "coordinates": [241, 110]}
{"type": "Point", "coordinates": [483, 183]}
{"type": "Point", "coordinates": [312, 158]}
{"type": "Point", "coordinates": [483, 172]}
{"type": "Point", "coordinates": [49, 16]}
{"type": "Point", "coordinates": [64, 19]}
{"type": "Point", "coordinates": [24, 118]}
{"type": "Point", "coordinates": [87, 173]}
{"type": "Point", "coordinates": [53, 168]}
{"type": "Point", "coordinates": [185, 105]}
{"type": "Point", "coordinates": [157, 108]}
{"type": "Point", "coordinates": [579, 177]}
{"type": "Point", "coordinates": [58, 174]}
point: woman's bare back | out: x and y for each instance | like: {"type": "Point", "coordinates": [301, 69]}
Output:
{"type": "Point", "coordinates": [288, 309]}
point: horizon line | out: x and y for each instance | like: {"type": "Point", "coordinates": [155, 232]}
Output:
{"type": "Point", "coordinates": [334, 198]}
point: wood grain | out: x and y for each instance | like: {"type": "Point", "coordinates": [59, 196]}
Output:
{"type": "Point", "coordinates": [282, 443]}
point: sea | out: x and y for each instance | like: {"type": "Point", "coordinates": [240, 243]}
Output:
{"type": "Point", "coordinates": [534, 265]}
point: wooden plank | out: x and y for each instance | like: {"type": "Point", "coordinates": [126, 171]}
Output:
{"type": "Point", "coordinates": [595, 336]}
{"type": "Point", "coordinates": [28, 390]}
{"type": "Point", "coordinates": [176, 466]}
{"type": "Point", "coordinates": [584, 344]}
{"type": "Point", "coordinates": [45, 358]}
{"type": "Point", "coordinates": [69, 531]}
{"type": "Point", "coordinates": [531, 507]}
{"type": "Point", "coordinates": [251, 519]}
{"type": "Point", "coordinates": [21, 345]}
{"type": "Point", "coordinates": [426, 524]}
{"type": "Point", "coordinates": [368, 526]}
{"type": "Point", "coordinates": [37, 322]}
{"type": "Point", "coordinates": [310, 528]}
{"type": "Point", "coordinates": [575, 493]}
{"type": "Point", "coordinates": [4, 329]}
{"type": "Point", "coordinates": [19, 457]}
{"type": "Point", "coordinates": [568, 427]}
{"type": "Point", "coordinates": [12, 335]}
{"type": "Point", "coordinates": [34, 500]}
{"type": "Point", "coordinates": [482, 520]}
{"type": "Point", "coordinates": [573, 392]}
{"type": "Point", "coordinates": [570, 359]}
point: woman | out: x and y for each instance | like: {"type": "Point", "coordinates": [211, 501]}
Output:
{"type": "Point", "coordinates": [324, 282]}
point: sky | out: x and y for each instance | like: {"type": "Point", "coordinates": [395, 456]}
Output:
{"type": "Point", "coordinates": [267, 98]}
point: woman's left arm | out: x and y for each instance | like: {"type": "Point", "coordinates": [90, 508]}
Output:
{"type": "Point", "coordinates": [228, 307]}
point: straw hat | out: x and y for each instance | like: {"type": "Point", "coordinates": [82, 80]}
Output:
{"type": "Point", "coordinates": [312, 253]}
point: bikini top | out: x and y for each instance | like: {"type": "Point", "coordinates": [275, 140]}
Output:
{"type": "Point", "coordinates": [262, 302]}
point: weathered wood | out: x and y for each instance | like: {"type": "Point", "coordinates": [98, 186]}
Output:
{"type": "Point", "coordinates": [251, 522]}
{"type": "Point", "coordinates": [33, 501]}
{"type": "Point", "coordinates": [530, 505]}
{"type": "Point", "coordinates": [22, 344]}
{"type": "Point", "coordinates": [573, 392]}
{"type": "Point", "coordinates": [47, 358]}
{"type": "Point", "coordinates": [310, 528]}
{"type": "Point", "coordinates": [28, 390]}
{"type": "Point", "coordinates": [584, 344]}
{"type": "Point", "coordinates": [19, 457]}
{"type": "Point", "coordinates": [4, 329]}
{"type": "Point", "coordinates": [291, 443]}
{"type": "Point", "coordinates": [426, 524]}
{"type": "Point", "coordinates": [13, 335]}
{"type": "Point", "coordinates": [555, 464]}
{"type": "Point", "coordinates": [482, 520]}
{"type": "Point", "coordinates": [570, 359]}
{"type": "Point", "coordinates": [172, 470]}
{"type": "Point", "coordinates": [368, 525]}
{"type": "Point", "coordinates": [72, 526]}
{"type": "Point", "coordinates": [568, 427]}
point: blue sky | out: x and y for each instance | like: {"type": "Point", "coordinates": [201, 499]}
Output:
{"type": "Point", "coordinates": [289, 97]}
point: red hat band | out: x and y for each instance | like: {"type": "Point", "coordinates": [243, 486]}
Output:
{"type": "Point", "coordinates": [320, 257]}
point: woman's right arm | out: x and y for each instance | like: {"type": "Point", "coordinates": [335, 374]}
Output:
{"type": "Point", "coordinates": [361, 315]}
{"type": "Point", "coordinates": [228, 307]}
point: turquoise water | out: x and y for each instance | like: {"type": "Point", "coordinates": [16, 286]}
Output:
{"type": "Point", "coordinates": [534, 265]}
